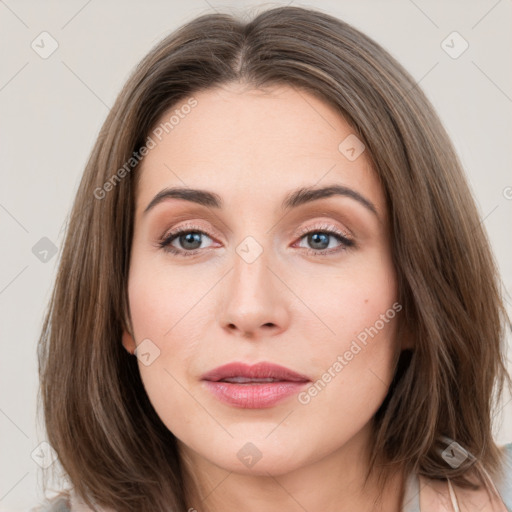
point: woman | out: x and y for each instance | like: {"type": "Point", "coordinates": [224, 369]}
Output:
{"type": "Point", "coordinates": [333, 336]}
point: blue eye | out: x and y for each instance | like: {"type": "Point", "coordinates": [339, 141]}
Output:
{"type": "Point", "coordinates": [320, 241]}
{"type": "Point", "coordinates": [188, 239]}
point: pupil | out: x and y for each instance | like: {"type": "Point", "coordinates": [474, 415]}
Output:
{"type": "Point", "coordinates": [191, 238]}
{"type": "Point", "coordinates": [319, 238]}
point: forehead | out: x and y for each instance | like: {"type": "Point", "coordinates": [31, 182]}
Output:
{"type": "Point", "coordinates": [254, 144]}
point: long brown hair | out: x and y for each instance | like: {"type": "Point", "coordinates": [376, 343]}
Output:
{"type": "Point", "coordinates": [109, 440]}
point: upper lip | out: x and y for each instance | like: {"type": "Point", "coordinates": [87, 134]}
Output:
{"type": "Point", "coordinates": [261, 370]}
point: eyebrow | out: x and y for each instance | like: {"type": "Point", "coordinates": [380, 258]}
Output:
{"type": "Point", "coordinates": [294, 199]}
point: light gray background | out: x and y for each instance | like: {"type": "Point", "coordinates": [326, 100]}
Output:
{"type": "Point", "coordinates": [52, 110]}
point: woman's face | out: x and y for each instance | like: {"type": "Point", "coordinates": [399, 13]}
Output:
{"type": "Point", "coordinates": [259, 274]}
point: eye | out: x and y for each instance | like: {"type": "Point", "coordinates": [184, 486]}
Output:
{"type": "Point", "coordinates": [320, 239]}
{"type": "Point", "coordinates": [189, 238]}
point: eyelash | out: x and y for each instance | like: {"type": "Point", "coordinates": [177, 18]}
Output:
{"type": "Point", "coordinates": [165, 242]}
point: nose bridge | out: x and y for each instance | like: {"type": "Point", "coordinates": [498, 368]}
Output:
{"type": "Point", "coordinates": [251, 282]}
{"type": "Point", "coordinates": [252, 299]}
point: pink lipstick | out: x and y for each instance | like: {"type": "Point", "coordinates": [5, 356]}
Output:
{"type": "Point", "coordinates": [253, 387]}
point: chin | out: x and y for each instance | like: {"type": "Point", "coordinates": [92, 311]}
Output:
{"type": "Point", "coordinates": [255, 454]}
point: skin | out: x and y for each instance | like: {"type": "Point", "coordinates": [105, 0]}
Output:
{"type": "Point", "coordinates": [299, 310]}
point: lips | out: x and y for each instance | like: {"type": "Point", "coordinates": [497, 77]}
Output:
{"type": "Point", "coordinates": [258, 386]}
{"type": "Point", "coordinates": [241, 373]}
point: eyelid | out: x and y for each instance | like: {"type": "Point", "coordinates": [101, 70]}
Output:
{"type": "Point", "coordinates": [324, 226]}
{"type": "Point", "coordinates": [319, 225]}
{"type": "Point", "coordinates": [186, 226]}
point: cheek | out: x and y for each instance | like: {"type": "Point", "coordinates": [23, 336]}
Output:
{"type": "Point", "coordinates": [165, 314]}
{"type": "Point", "coordinates": [353, 376]}
{"type": "Point", "coordinates": [354, 356]}
{"type": "Point", "coordinates": [159, 300]}
{"type": "Point", "coordinates": [352, 300]}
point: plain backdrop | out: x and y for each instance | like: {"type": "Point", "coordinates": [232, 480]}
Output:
{"type": "Point", "coordinates": [52, 107]}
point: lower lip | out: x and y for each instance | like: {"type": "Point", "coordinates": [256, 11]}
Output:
{"type": "Point", "coordinates": [253, 396]}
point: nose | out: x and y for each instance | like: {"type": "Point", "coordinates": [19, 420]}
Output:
{"type": "Point", "coordinates": [254, 303]}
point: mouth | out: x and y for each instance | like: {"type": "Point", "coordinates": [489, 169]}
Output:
{"type": "Point", "coordinates": [247, 380]}
{"type": "Point", "coordinates": [253, 387]}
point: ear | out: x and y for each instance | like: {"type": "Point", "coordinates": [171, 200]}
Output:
{"type": "Point", "coordinates": [128, 342]}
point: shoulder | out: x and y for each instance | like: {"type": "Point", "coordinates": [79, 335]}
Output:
{"type": "Point", "coordinates": [444, 495]}
{"type": "Point", "coordinates": [66, 501]}
{"type": "Point", "coordinates": [427, 494]}
{"type": "Point", "coordinates": [501, 497]}
{"type": "Point", "coordinates": [504, 483]}
{"type": "Point", "coordinates": [60, 503]}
